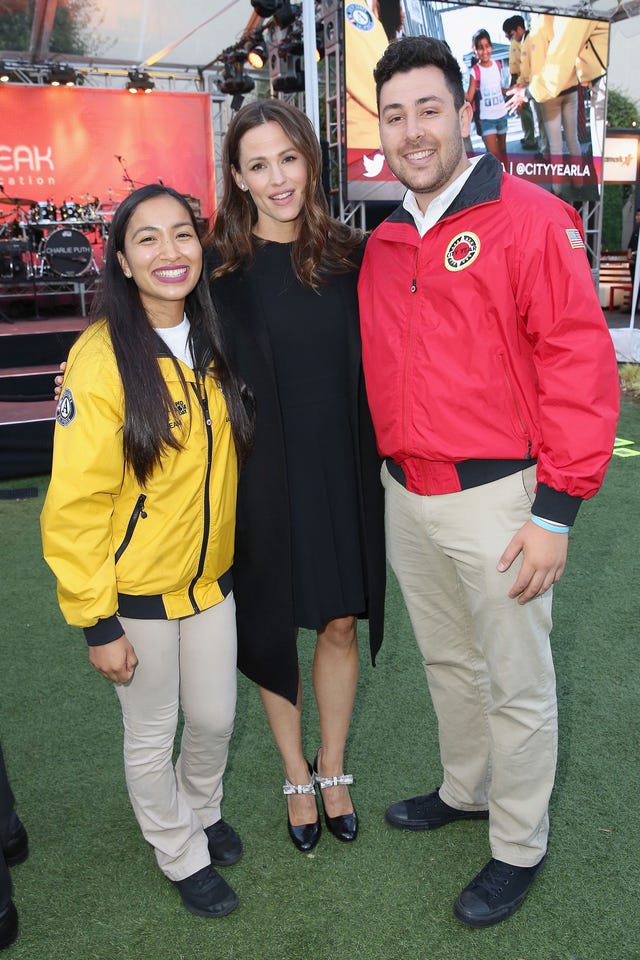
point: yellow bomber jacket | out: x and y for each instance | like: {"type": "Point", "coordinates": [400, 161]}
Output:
{"type": "Point", "coordinates": [159, 552]}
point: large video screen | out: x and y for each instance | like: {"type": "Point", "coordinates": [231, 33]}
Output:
{"type": "Point", "coordinates": [544, 74]}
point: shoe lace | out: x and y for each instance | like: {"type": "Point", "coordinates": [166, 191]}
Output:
{"type": "Point", "coordinates": [494, 877]}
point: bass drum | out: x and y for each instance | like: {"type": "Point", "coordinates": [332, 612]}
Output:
{"type": "Point", "coordinates": [67, 253]}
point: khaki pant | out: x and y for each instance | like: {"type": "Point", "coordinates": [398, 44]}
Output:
{"type": "Point", "coordinates": [487, 658]}
{"type": "Point", "coordinates": [189, 663]}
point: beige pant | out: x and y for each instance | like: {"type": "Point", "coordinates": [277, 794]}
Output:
{"type": "Point", "coordinates": [487, 658]}
{"type": "Point", "coordinates": [189, 663]}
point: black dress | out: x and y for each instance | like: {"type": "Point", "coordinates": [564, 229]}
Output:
{"type": "Point", "coordinates": [308, 336]}
{"type": "Point", "coordinates": [310, 517]}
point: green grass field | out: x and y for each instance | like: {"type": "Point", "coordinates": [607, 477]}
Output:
{"type": "Point", "coordinates": [91, 890]}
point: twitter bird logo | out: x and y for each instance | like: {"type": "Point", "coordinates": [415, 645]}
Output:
{"type": "Point", "coordinates": [373, 165]}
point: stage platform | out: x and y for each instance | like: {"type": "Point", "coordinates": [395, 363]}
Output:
{"type": "Point", "coordinates": [30, 354]}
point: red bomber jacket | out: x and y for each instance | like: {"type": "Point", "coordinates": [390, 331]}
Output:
{"type": "Point", "coordinates": [485, 341]}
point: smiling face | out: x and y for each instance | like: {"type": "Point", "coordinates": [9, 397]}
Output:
{"type": "Point", "coordinates": [275, 173]}
{"type": "Point", "coordinates": [483, 50]}
{"type": "Point", "coordinates": [422, 132]}
{"type": "Point", "coordinates": [163, 256]}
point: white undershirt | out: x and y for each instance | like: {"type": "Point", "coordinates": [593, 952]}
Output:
{"type": "Point", "coordinates": [437, 206]}
{"type": "Point", "coordinates": [176, 338]}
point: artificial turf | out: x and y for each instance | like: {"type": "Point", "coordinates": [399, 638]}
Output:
{"type": "Point", "coordinates": [90, 889]}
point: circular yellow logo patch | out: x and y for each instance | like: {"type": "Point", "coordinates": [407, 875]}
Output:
{"type": "Point", "coordinates": [462, 251]}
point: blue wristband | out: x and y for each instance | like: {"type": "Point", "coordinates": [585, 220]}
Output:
{"type": "Point", "coordinates": [551, 527]}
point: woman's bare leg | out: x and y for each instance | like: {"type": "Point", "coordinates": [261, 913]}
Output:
{"type": "Point", "coordinates": [285, 721]}
{"type": "Point", "coordinates": [335, 677]}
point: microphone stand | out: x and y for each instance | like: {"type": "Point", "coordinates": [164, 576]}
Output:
{"type": "Point", "coordinates": [125, 173]}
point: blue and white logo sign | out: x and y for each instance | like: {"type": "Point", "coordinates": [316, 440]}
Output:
{"type": "Point", "coordinates": [359, 16]}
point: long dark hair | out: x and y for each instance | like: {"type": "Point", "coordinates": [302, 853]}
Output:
{"type": "Point", "coordinates": [323, 245]}
{"type": "Point", "coordinates": [148, 407]}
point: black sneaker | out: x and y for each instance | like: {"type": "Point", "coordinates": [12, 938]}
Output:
{"type": "Point", "coordinates": [428, 813]}
{"type": "Point", "coordinates": [16, 849]}
{"type": "Point", "coordinates": [494, 894]}
{"type": "Point", "coordinates": [8, 925]}
{"type": "Point", "coordinates": [225, 846]}
{"type": "Point", "coordinates": [206, 894]}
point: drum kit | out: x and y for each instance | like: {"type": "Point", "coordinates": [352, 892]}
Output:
{"type": "Point", "coordinates": [42, 240]}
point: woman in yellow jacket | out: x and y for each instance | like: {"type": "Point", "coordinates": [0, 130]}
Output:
{"type": "Point", "coordinates": [138, 527]}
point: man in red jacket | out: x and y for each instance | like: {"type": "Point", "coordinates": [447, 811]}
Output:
{"type": "Point", "coordinates": [494, 393]}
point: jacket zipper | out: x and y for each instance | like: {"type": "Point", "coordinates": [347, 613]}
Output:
{"type": "Point", "coordinates": [138, 512]}
{"type": "Point", "coordinates": [407, 357]}
{"type": "Point", "coordinates": [202, 400]}
{"type": "Point", "coordinates": [516, 405]}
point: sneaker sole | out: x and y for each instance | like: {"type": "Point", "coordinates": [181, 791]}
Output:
{"type": "Point", "coordinates": [432, 825]}
{"type": "Point", "coordinates": [497, 917]}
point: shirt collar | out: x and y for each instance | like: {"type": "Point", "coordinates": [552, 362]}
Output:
{"type": "Point", "coordinates": [424, 221]}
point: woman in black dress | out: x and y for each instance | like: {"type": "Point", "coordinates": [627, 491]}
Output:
{"type": "Point", "coordinates": [309, 536]}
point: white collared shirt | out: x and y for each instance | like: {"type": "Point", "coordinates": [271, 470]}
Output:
{"type": "Point", "coordinates": [424, 221]}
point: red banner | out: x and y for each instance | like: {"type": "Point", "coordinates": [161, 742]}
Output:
{"type": "Point", "coordinates": [63, 144]}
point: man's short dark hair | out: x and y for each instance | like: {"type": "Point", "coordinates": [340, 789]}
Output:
{"type": "Point", "coordinates": [509, 25]}
{"type": "Point", "coordinates": [517, 21]}
{"type": "Point", "coordinates": [407, 53]}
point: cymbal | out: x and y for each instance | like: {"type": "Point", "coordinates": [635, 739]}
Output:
{"type": "Point", "coordinates": [16, 201]}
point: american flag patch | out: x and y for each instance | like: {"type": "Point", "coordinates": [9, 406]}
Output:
{"type": "Point", "coordinates": [575, 240]}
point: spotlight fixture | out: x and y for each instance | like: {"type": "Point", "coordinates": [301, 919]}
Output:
{"type": "Point", "coordinates": [62, 75]}
{"type": "Point", "coordinates": [256, 50]}
{"type": "Point", "coordinates": [234, 80]}
{"type": "Point", "coordinates": [283, 11]}
{"type": "Point", "coordinates": [319, 41]}
{"type": "Point", "coordinates": [290, 53]}
{"type": "Point", "coordinates": [5, 73]}
{"type": "Point", "coordinates": [139, 81]}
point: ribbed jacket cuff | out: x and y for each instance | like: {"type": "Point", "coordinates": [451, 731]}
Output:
{"type": "Point", "coordinates": [104, 631]}
{"type": "Point", "coordinates": [555, 505]}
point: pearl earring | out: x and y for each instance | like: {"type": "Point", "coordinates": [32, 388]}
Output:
{"type": "Point", "coordinates": [243, 186]}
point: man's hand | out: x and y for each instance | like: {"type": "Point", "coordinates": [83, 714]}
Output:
{"type": "Point", "coordinates": [517, 97]}
{"type": "Point", "coordinates": [544, 555]}
{"type": "Point", "coordinates": [116, 660]}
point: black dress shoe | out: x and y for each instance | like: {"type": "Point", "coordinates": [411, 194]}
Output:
{"type": "Point", "coordinates": [428, 813]}
{"type": "Point", "coordinates": [225, 846]}
{"type": "Point", "coordinates": [494, 894]}
{"type": "Point", "coordinates": [305, 835]}
{"type": "Point", "coordinates": [16, 849]}
{"type": "Point", "coordinates": [206, 894]}
{"type": "Point", "coordinates": [345, 825]}
{"type": "Point", "coordinates": [8, 925]}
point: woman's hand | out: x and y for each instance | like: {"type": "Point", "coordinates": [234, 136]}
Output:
{"type": "Point", "coordinates": [116, 661]}
{"type": "Point", "coordinates": [58, 380]}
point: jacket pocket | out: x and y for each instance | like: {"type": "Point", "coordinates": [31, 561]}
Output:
{"type": "Point", "coordinates": [515, 405]}
{"type": "Point", "coordinates": [138, 512]}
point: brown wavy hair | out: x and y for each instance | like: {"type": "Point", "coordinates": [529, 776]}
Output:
{"type": "Point", "coordinates": [323, 245]}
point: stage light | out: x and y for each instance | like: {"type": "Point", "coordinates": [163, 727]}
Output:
{"type": "Point", "coordinates": [139, 82]}
{"type": "Point", "coordinates": [234, 80]}
{"type": "Point", "coordinates": [5, 74]}
{"type": "Point", "coordinates": [62, 75]}
{"type": "Point", "coordinates": [282, 11]}
{"type": "Point", "coordinates": [256, 51]}
{"type": "Point", "coordinates": [319, 41]}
